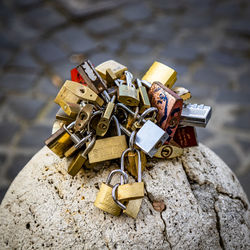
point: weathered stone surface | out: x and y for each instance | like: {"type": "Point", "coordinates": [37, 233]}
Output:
{"type": "Point", "coordinates": [206, 207]}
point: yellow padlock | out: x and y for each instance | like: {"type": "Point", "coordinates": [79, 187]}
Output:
{"type": "Point", "coordinates": [159, 72]}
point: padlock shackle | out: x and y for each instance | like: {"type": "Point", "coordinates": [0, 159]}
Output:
{"type": "Point", "coordinates": [146, 83]}
{"type": "Point", "coordinates": [112, 173]}
{"type": "Point", "coordinates": [89, 147]}
{"type": "Point", "coordinates": [115, 198]}
{"type": "Point", "coordinates": [117, 124]}
{"type": "Point", "coordinates": [146, 112]}
{"type": "Point", "coordinates": [129, 78]}
{"type": "Point", "coordinates": [99, 112]}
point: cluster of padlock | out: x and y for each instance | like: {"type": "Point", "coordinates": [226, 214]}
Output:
{"type": "Point", "coordinates": [106, 114]}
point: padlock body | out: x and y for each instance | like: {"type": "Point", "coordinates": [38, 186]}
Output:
{"type": "Point", "coordinates": [76, 77]}
{"type": "Point", "coordinates": [169, 151]}
{"type": "Point", "coordinates": [116, 68]}
{"type": "Point", "coordinates": [130, 191]}
{"type": "Point", "coordinates": [128, 95]}
{"type": "Point", "coordinates": [133, 208]}
{"type": "Point", "coordinates": [169, 106]}
{"type": "Point", "coordinates": [83, 117]}
{"type": "Point", "coordinates": [105, 202]}
{"type": "Point", "coordinates": [150, 137]}
{"type": "Point", "coordinates": [76, 164]}
{"type": "Point", "coordinates": [59, 142]}
{"type": "Point", "coordinates": [133, 162]}
{"type": "Point", "coordinates": [107, 149]}
{"type": "Point", "coordinates": [186, 137]}
{"type": "Point", "coordinates": [162, 73]}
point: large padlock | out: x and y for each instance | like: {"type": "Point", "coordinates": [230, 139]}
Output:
{"type": "Point", "coordinates": [161, 73]}
{"type": "Point", "coordinates": [91, 77]}
{"type": "Point", "coordinates": [79, 160]}
{"type": "Point", "coordinates": [169, 106]}
{"type": "Point", "coordinates": [104, 199]}
{"type": "Point", "coordinates": [109, 148]}
{"type": "Point", "coordinates": [117, 68]}
{"type": "Point", "coordinates": [186, 137]}
{"type": "Point", "coordinates": [150, 136]}
{"type": "Point", "coordinates": [73, 92]}
{"type": "Point", "coordinates": [131, 191]}
{"type": "Point", "coordinates": [127, 93]}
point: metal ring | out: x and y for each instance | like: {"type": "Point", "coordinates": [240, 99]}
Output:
{"type": "Point", "coordinates": [94, 114]}
{"type": "Point", "coordinates": [114, 197]}
{"type": "Point", "coordinates": [132, 140]}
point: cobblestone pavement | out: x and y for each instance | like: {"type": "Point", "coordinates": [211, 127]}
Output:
{"type": "Point", "coordinates": [206, 41]}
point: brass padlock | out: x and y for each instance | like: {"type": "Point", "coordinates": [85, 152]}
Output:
{"type": "Point", "coordinates": [127, 93]}
{"type": "Point", "coordinates": [62, 116]}
{"type": "Point", "coordinates": [103, 124]}
{"type": "Point", "coordinates": [71, 109]}
{"type": "Point", "coordinates": [109, 148]}
{"type": "Point", "coordinates": [131, 191]}
{"type": "Point", "coordinates": [91, 77]}
{"type": "Point", "coordinates": [145, 103]}
{"type": "Point", "coordinates": [80, 159]}
{"type": "Point", "coordinates": [104, 200]}
{"type": "Point", "coordinates": [73, 92]}
{"type": "Point", "coordinates": [182, 93]}
{"type": "Point", "coordinates": [161, 73]}
{"type": "Point", "coordinates": [117, 68]}
{"type": "Point", "coordinates": [59, 142]}
{"type": "Point", "coordinates": [110, 77]}
{"type": "Point", "coordinates": [169, 151]}
{"type": "Point", "coordinates": [83, 116]}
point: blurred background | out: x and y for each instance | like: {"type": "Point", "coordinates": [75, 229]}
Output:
{"type": "Point", "coordinates": [207, 42]}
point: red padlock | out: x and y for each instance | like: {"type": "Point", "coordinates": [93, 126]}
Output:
{"type": "Point", "coordinates": [169, 106]}
{"type": "Point", "coordinates": [76, 77]}
{"type": "Point", "coordinates": [186, 136]}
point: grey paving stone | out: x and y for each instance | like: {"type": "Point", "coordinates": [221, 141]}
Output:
{"type": "Point", "coordinates": [103, 25]}
{"type": "Point", "coordinates": [232, 96]}
{"type": "Point", "coordinates": [244, 180]}
{"type": "Point", "coordinates": [63, 69]}
{"type": "Point", "coordinates": [2, 159]}
{"type": "Point", "coordinates": [27, 3]}
{"type": "Point", "coordinates": [244, 144]}
{"type": "Point", "coordinates": [5, 57]}
{"type": "Point", "coordinates": [76, 39]}
{"type": "Point", "coordinates": [24, 107]}
{"type": "Point", "coordinates": [241, 119]}
{"type": "Point", "coordinates": [46, 87]}
{"type": "Point", "coordinates": [225, 59]}
{"type": "Point", "coordinates": [240, 26]}
{"type": "Point", "coordinates": [18, 162]}
{"type": "Point", "coordinates": [137, 48]}
{"type": "Point", "coordinates": [52, 113]}
{"type": "Point", "coordinates": [244, 82]}
{"type": "Point", "coordinates": [136, 12]}
{"type": "Point", "coordinates": [236, 44]}
{"type": "Point", "coordinates": [209, 75]}
{"type": "Point", "coordinates": [228, 155]}
{"type": "Point", "coordinates": [3, 191]}
{"type": "Point", "coordinates": [112, 45]}
{"type": "Point", "coordinates": [203, 134]}
{"type": "Point", "coordinates": [25, 60]}
{"type": "Point", "coordinates": [103, 56]}
{"type": "Point", "coordinates": [44, 18]}
{"type": "Point", "coordinates": [5, 42]}
{"type": "Point", "coordinates": [35, 136]}
{"type": "Point", "coordinates": [7, 131]}
{"type": "Point", "coordinates": [49, 52]}
{"type": "Point", "coordinates": [16, 82]}
{"type": "Point", "coordinates": [200, 93]}
{"type": "Point", "coordinates": [180, 53]}
{"type": "Point", "coordinates": [227, 9]}
{"type": "Point", "coordinates": [168, 5]}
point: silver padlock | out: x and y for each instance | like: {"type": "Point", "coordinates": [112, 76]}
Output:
{"type": "Point", "coordinates": [150, 136]}
{"type": "Point", "coordinates": [196, 115]}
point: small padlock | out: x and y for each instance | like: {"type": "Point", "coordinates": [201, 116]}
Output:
{"type": "Point", "coordinates": [104, 200]}
{"type": "Point", "coordinates": [186, 137]}
{"type": "Point", "coordinates": [103, 124]}
{"type": "Point", "coordinates": [91, 77]}
{"type": "Point", "coordinates": [109, 148]}
{"type": "Point", "coordinates": [159, 72]}
{"type": "Point", "coordinates": [73, 92]}
{"type": "Point", "coordinates": [81, 158]}
{"type": "Point", "coordinates": [127, 93]}
{"type": "Point", "coordinates": [110, 77]}
{"type": "Point", "coordinates": [131, 191]}
{"type": "Point", "coordinates": [76, 77]}
{"type": "Point", "coordinates": [117, 68]}
{"type": "Point", "coordinates": [62, 116]}
{"type": "Point", "coordinates": [145, 103]}
{"type": "Point", "coordinates": [83, 116]}
{"type": "Point", "coordinates": [169, 151]}
{"type": "Point", "coordinates": [182, 93]}
{"type": "Point", "coordinates": [169, 106]}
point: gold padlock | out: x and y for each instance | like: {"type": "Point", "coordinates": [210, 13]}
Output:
{"type": "Point", "coordinates": [182, 92]}
{"type": "Point", "coordinates": [116, 68]}
{"type": "Point", "coordinates": [103, 124]}
{"type": "Point", "coordinates": [62, 116]}
{"type": "Point", "coordinates": [104, 200]}
{"type": "Point", "coordinates": [169, 151]}
{"type": "Point", "coordinates": [161, 73]}
{"type": "Point", "coordinates": [80, 159]}
{"type": "Point", "coordinates": [74, 92]}
{"type": "Point", "coordinates": [108, 148]}
{"type": "Point", "coordinates": [131, 191]}
{"type": "Point", "coordinates": [133, 208]}
{"type": "Point", "coordinates": [59, 142]}
{"type": "Point", "coordinates": [145, 103]}
{"type": "Point", "coordinates": [71, 109]}
{"type": "Point", "coordinates": [127, 93]}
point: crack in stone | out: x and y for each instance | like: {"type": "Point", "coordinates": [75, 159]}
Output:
{"type": "Point", "coordinates": [164, 222]}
